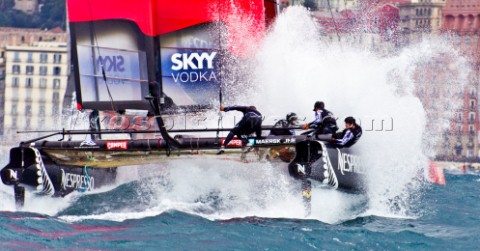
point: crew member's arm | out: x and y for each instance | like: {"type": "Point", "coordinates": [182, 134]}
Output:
{"type": "Point", "coordinates": [318, 120]}
{"type": "Point", "coordinates": [347, 137]}
{"type": "Point", "coordinates": [236, 108]}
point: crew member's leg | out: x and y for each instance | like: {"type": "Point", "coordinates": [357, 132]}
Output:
{"type": "Point", "coordinates": [237, 130]}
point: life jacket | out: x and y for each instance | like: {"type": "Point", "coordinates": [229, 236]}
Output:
{"type": "Point", "coordinates": [328, 120]}
{"type": "Point", "coordinates": [280, 128]}
{"type": "Point", "coordinates": [357, 133]}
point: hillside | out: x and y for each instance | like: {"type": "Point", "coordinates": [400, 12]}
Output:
{"type": "Point", "coordinates": [52, 15]}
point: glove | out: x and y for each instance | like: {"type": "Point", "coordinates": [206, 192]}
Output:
{"type": "Point", "coordinates": [305, 127]}
{"type": "Point", "coordinates": [222, 108]}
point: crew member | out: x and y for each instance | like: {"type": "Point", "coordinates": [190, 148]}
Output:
{"type": "Point", "coordinates": [350, 135]}
{"type": "Point", "coordinates": [281, 126]}
{"type": "Point", "coordinates": [250, 123]}
{"type": "Point", "coordinates": [324, 122]}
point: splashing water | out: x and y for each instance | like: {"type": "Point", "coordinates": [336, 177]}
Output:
{"type": "Point", "coordinates": [293, 68]}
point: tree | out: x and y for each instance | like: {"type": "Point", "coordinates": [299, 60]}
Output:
{"type": "Point", "coordinates": [310, 4]}
{"type": "Point", "coordinates": [6, 5]}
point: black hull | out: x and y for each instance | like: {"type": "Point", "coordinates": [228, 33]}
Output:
{"type": "Point", "coordinates": [30, 168]}
{"type": "Point", "coordinates": [340, 168]}
{"type": "Point", "coordinates": [58, 168]}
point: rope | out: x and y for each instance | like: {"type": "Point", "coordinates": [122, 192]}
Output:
{"type": "Point", "coordinates": [99, 54]}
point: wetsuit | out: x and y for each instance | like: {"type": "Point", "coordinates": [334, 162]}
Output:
{"type": "Point", "coordinates": [348, 137]}
{"type": "Point", "coordinates": [324, 122]}
{"type": "Point", "coordinates": [250, 123]}
{"type": "Point", "coordinates": [280, 128]}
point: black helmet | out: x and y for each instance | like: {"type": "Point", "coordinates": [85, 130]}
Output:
{"type": "Point", "coordinates": [291, 117]}
{"type": "Point", "coordinates": [319, 105]}
{"type": "Point", "coordinates": [350, 120]}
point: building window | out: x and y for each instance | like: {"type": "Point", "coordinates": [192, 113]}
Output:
{"type": "Point", "coordinates": [27, 123]}
{"type": "Point", "coordinates": [57, 58]}
{"type": "Point", "coordinates": [43, 70]}
{"type": "Point", "coordinates": [16, 69]}
{"type": "Point", "coordinates": [28, 82]}
{"type": "Point", "coordinates": [467, 40]}
{"type": "Point", "coordinates": [30, 57]}
{"type": "Point", "coordinates": [15, 82]}
{"type": "Point", "coordinates": [29, 95]}
{"type": "Point", "coordinates": [56, 71]}
{"type": "Point", "coordinates": [43, 83]}
{"type": "Point", "coordinates": [43, 58]}
{"type": "Point", "coordinates": [55, 110]}
{"type": "Point", "coordinates": [56, 96]}
{"type": "Point", "coordinates": [29, 70]}
{"type": "Point", "coordinates": [472, 117]}
{"type": "Point", "coordinates": [41, 110]}
{"type": "Point", "coordinates": [16, 56]}
{"type": "Point", "coordinates": [472, 104]}
{"type": "Point", "coordinates": [459, 118]}
{"type": "Point", "coordinates": [56, 83]}
{"type": "Point", "coordinates": [14, 109]}
{"type": "Point", "coordinates": [28, 109]}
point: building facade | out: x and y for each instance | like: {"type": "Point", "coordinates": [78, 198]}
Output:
{"type": "Point", "coordinates": [33, 76]}
{"type": "Point", "coordinates": [35, 83]}
{"type": "Point", "coordinates": [420, 16]}
{"type": "Point", "coordinates": [461, 22]}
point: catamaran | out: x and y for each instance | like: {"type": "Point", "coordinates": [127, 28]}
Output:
{"type": "Point", "coordinates": [159, 57]}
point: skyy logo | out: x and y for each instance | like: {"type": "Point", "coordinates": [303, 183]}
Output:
{"type": "Point", "coordinates": [193, 67]}
{"type": "Point", "coordinates": [111, 63]}
{"type": "Point", "coordinates": [192, 61]}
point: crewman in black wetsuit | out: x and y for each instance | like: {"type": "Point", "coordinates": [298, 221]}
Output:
{"type": "Point", "coordinates": [250, 123]}
{"type": "Point", "coordinates": [349, 136]}
{"type": "Point", "coordinates": [290, 120]}
{"type": "Point", "coordinates": [324, 122]}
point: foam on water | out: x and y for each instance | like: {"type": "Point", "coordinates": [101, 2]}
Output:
{"type": "Point", "coordinates": [293, 68]}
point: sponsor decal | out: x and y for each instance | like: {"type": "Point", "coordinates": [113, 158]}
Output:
{"type": "Point", "coordinates": [123, 145]}
{"type": "Point", "coordinates": [350, 163]}
{"type": "Point", "coordinates": [88, 143]}
{"type": "Point", "coordinates": [77, 181]}
{"type": "Point", "coordinates": [193, 67]}
{"type": "Point", "coordinates": [111, 63]}
{"type": "Point", "coordinates": [251, 142]}
{"type": "Point", "coordinates": [233, 142]}
{"type": "Point", "coordinates": [267, 141]}
{"type": "Point", "coordinates": [192, 61]}
{"type": "Point", "coordinates": [274, 141]}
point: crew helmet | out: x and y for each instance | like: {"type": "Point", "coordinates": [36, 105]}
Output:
{"type": "Point", "coordinates": [350, 120]}
{"type": "Point", "coordinates": [319, 105]}
{"type": "Point", "coordinates": [292, 118]}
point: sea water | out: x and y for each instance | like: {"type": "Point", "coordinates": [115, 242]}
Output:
{"type": "Point", "coordinates": [213, 205]}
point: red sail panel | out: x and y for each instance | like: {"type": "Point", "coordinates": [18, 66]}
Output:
{"type": "Point", "coordinates": [157, 17]}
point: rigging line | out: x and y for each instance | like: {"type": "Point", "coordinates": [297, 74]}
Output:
{"type": "Point", "coordinates": [98, 51]}
{"type": "Point", "coordinates": [220, 45]}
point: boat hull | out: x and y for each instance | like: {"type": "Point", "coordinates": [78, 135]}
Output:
{"type": "Point", "coordinates": [341, 168]}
